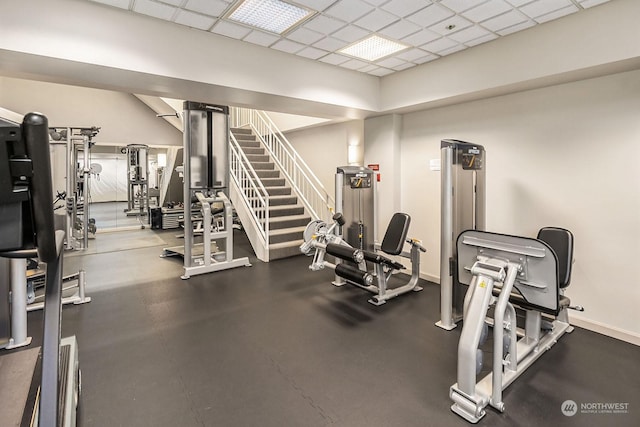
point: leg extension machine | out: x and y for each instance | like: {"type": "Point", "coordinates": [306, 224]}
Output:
{"type": "Point", "coordinates": [351, 263]}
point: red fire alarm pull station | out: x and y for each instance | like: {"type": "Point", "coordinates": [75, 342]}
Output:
{"type": "Point", "coordinates": [374, 167]}
{"type": "Point", "coordinates": [378, 177]}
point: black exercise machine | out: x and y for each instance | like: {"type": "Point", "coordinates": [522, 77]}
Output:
{"type": "Point", "coordinates": [27, 230]}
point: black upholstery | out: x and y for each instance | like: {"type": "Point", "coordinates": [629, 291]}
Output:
{"type": "Point", "coordinates": [376, 258]}
{"type": "Point", "coordinates": [396, 234]}
{"type": "Point", "coordinates": [561, 241]}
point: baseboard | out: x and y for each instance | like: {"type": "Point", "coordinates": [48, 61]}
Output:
{"type": "Point", "coordinates": [430, 278]}
{"type": "Point", "coordinates": [601, 328]}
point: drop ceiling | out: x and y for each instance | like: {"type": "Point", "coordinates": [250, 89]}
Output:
{"type": "Point", "coordinates": [430, 28]}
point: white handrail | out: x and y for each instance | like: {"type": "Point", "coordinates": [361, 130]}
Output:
{"type": "Point", "coordinates": [305, 183]}
{"type": "Point", "coordinates": [250, 187]}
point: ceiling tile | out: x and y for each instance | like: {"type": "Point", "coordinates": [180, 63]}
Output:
{"type": "Point", "coordinates": [439, 45]}
{"type": "Point", "coordinates": [288, 46]}
{"type": "Point", "coordinates": [460, 5]}
{"type": "Point", "coordinates": [515, 28]}
{"type": "Point", "coordinates": [468, 34]}
{"type": "Point", "coordinates": [376, 2]}
{"type": "Point", "coordinates": [122, 4]}
{"type": "Point", "coordinates": [456, 23]}
{"type": "Point", "coordinates": [208, 7]}
{"type": "Point", "coordinates": [411, 54]}
{"type": "Point", "coordinates": [173, 2]}
{"type": "Point", "coordinates": [324, 24]}
{"type": "Point", "coordinates": [368, 68]}
{"type": "Point", "coordinates": [330, 44]}
{"type": "Point", "coordinates": [318, 5]}
{"type": "Point", "coordinates": [451, 50]}
{"type": "Point", "coordinates": [426, 59]}
{"type": "Point", "coordinates": [304, 36]}
{"type": "Point", "coordinates": [390, 62]}
{"type": "Point", "coordinates": [487, 10]}
{"type": "Point", "coordinates": [349, 10]}
{"type": "Point", "coordinates": [230, 29]}
{"type": "Point", "coordinates": [376, 20]}
{"type": "Point", "coordinates": [519, 2]}
{"type": "Point", "coordinates": [350, 33]}
{"type": "Point", "coordinates": [430, 15]}
{"type": "Point", "coordinates": [312, 52]}
{"type": "Point", "coordinates": [481, 40]}
{"type": "Point", "coordinates": [421, 37]}
{"type": "Point", "coordinates": [404, 66]}
{"type": "Point", "coordinates": [157, 10]}
{"type": "Point", "coordinates": [354, 64]}
{"type": "Point", "coordinates": [261, 38]}
{"type": "Point", "coordinates": [557, 14]}
{"type": "Point", "coordinates": [380, 72]}
{"type": "Point", "coordinates": [590, 3]}
{"type": "Point", "coordinates": [194, 20]}
{"type": "Point", "coordinates": [334, 59]}
{"type": "Point", "coordinates": [400, 29]}
{"type": "Point", "coordinates": [542, 7]}
{"type": "Point", "coordinates": [404, 8]}
{"type": "Point", "coordinates": [503, 21]}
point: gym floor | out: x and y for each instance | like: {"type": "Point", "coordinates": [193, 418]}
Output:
{"type": "Point", "coordinates": [276, 344]}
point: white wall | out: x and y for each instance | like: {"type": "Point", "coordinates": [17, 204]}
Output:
{"type": "Point", "coordinates": [565, 156]}
{"type": "Point", "coordinates": [324, 148]}
{"type": "Point", "coordinates": [123, 118]}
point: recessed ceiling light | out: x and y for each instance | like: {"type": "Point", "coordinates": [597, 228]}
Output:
{"type": "Point", "coordinates": [373, 48]}
{"type": "Point", "coordinates": [271, 15]}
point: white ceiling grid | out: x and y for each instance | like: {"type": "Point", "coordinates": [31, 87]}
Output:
{"type": "Point", "coordinates": [430, 28]}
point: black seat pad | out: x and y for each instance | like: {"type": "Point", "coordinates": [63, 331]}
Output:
{"type": "Point", "coordinates": [396, 234]}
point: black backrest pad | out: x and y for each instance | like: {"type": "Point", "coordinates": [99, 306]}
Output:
{"type": "Point", "coordinates": [396, 233]}
{"type": "Point", "coordinates": [561, 241]}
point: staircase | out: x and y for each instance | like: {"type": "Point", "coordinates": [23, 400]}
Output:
{"type": "Point", "coordinates": [286, 217]}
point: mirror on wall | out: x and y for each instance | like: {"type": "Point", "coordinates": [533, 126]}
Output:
{"type": "Point", "coordinates": [127, 185]}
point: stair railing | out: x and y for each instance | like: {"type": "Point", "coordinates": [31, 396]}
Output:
{"type": "Point", "coordinates": [250, 187]}
{"type": "Point", "coordinates": [305, 183]}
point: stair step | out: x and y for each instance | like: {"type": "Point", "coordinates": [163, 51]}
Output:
{"type": "Point", "coordinates": [278, 200]}
{"type": "Point", "coordinates": [258, 157]}
{"type": "Point", "coordinates": [289, 222]}
{"type": "Point", "coordinates": [284, 250]}
{"type": "Point", "coordinates": [241, 131]}
{"type": "Point", "coordinates": [278, 191]}
{"type": "Point", "coordinates": [253, 150]}
{"type": "Point", "coordinates": [244, 144]}
{"type": "Point", "coordinates": [285, 235]}
{"type": "Point", "coordinates": [282, 200]}
{"type": "Point", "coordinates": [260, 166]}
{"type": "Point", "coordinates": [273, 182]}
{"type": "Point", "coordinates": [245, 138]}
{"type": "Point", "coordinates": [268, 173]}
{"type": "Point", "coordinates": [280, 211]}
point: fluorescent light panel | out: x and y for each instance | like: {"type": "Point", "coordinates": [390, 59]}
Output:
{"type": "Point", "coordinates": [373, 48]}
{"type": "Point", "coordinates": [271, 15]}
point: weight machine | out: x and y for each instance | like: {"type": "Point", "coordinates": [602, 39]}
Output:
{"type": "Point", "coordinates": [509, 272]}
{"type": "Point", "coordinates": [463, 167]}
{"type": "Point", "coordinates": [137, 180]}
{"type": "Point", "coordinates": [208, 213]}
{"type": "Point", "coordinates": [351, 263]}
{"type": "Point", "coordinates": [78, 141]}
{"type": "Point", "coordinates": [27, 230]}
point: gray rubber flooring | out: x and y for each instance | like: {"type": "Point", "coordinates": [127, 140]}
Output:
{"type": "Point", "coordinates": [277, 345]}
